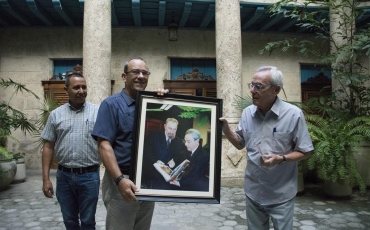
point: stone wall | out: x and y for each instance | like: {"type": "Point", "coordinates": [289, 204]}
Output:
{"type": "Point", "coordinates": [26, 56]}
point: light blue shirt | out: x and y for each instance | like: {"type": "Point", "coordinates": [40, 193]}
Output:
{"type": "Point", "coordinates": [282, 131]}
{"type": "Point", "coordinates": [71, 130]}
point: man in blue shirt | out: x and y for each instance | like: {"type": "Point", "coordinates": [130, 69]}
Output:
{"type": "Point", "coordinates": [67, 135]}
{"type": "Point", "coordinates": [275, 135]}
{"type": "Point", "coordinates": [114, 132]}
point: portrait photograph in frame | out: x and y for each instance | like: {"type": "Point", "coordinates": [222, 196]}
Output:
{"type": "Point", "coordinates": [176, 150]}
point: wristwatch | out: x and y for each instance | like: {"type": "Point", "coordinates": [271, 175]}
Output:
{"type": "Point", "coordinates": [118, 179]}
{"type": "Point", "coordinates": [284, 159]}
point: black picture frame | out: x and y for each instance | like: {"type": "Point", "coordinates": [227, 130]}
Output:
{"type": "Point", "coordinates": [201, 113]}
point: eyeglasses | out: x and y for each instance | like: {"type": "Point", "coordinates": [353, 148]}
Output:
{"type": "Point", "coordinates": [138, 71]}
{"type": "Point", "coordinates": [257, 86]}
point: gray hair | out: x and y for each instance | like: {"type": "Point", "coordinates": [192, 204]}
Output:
{"type": "Point", "coordinates": [195, 133]}
{"type": "Point", "coordinates": [170, 119]}
{"type": "Point", "coordinates": [275, 73]}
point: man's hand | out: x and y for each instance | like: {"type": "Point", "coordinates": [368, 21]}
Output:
{"type": "Point", "coordinates": [47, 188]}
{"type": "Point", "coordinates": [175, 182]}
{"type": "Point", "coordinates": [171, 163]}
{"type": "Point", "coordinates": [225, 124]}
{"type": "Point", "coordinates": [270, 160]}
{"type": "Point", "coordinates": [230, 135]}
{"type": "Point", "coordinates": [161, 92]}
{"type": "Point", "coordinates": [127, 189]}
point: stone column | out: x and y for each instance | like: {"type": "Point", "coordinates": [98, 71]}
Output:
{"type": "Point", "coordinates": [97, 42]}
{"type": "Point", "coordinates": [229, 67]}
{"type": "Point", "coordinates": [347, 28]}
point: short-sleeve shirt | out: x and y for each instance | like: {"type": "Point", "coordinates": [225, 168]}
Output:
{"type": "Point", "coordinates": [115, 123]}
{"type": "Point", "coordinates": [70, 129]}
{"type": "Point", "coordinates": [281, 131]}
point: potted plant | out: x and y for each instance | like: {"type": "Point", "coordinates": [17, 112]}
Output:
{"type": "Point", "coordinates": [12, 119]}
{"type": "Point", "coordinates": [336, 142]}
{"type": "Point", "coordinates": [345, 51]}
{"type": "Point", "coordinates": [8, 168]}
{"type": "Point", "coordinates": [20, 175]}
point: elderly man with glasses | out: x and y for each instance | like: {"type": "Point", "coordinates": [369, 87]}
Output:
{"type": "Point", "coordinates": [276, 137]}
{"type": "Point", "coordinates": [194, 178]}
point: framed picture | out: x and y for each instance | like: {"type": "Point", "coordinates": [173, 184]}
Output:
{"type": "Point", "coordinates": [176, 151]}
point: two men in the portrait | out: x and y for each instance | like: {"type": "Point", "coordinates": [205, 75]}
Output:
{"type": "Point", "coordinates": [166, 148]}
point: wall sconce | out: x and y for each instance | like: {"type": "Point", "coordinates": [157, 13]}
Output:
{"type": "Point", "coordinates": [172, 31]}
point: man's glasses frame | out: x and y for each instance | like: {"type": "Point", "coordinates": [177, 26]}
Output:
{"type": "Point", "coordinates": [138, 71]}
{"type": "Point", "coordinates": [257, 86]}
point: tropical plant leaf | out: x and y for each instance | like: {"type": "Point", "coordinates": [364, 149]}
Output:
{"type": "Point", "coordinates": [202, 114]}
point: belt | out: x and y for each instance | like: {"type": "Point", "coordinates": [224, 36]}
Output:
{"type": "Point", "coordinates": [91, 168]}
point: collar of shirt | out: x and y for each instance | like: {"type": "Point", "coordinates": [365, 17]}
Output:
{"type": "Point", "coordinates": [77, 110]}
{"type": "Point", "coordinates": [193, 151]}
{"type": "Point", "coordinates": [129, 101]}
{"type": "Point", "coordinates": [275, 108]}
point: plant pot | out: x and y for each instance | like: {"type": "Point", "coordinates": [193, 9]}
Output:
{"type": "Point", "coordinates": [20, 176]}
{"type": "Point", "coordinates": [363, 162]}
{"type": "Point", "coordinates": [339, 189]}
{"type": "Point", "coordinates": [8, 169]}
{"type": "Point", "coordinates": [300, 183]}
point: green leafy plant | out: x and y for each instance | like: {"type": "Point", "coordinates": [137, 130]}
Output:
{"type": "Point", "coordinates": [5, 155]}
{"type": "Point", "coordinates": [193, 112]}
{"type": "Point", "coordinates": [242, 102]}
{"type": "Point", "coordinates": [347, 57]}
{"type": "Point", "coordinates": [17, 156]}
{"type": "Point", "coordinates": [336, 142]}
{"type": "Point", "coordinates": [11, 118]}
{"type": "Point", "coordinates": [49, 104]}
{"type": "Point", "coordinates": [343, 49]}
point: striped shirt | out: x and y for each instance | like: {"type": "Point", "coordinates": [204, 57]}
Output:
{"type": "Point", "coordinates": [70, 129]}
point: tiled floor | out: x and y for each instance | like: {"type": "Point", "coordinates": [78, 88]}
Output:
{"type": "Point", "coordinates": [23, 206]}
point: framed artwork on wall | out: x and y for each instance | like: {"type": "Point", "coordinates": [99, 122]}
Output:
{"type": "Point", "coordinates": [176, 151]}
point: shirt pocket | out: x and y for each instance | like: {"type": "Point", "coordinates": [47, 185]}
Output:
{"type": "Point", "coordinates": [89, 127]}
{"type": "Point", "coordinates": [282, 142]}
{"type": "Point", "coordinates": [126, 121]}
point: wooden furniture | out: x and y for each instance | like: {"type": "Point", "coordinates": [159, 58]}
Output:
{"type": "Point", "coordinates": [55, 89]}
{"type": "Point", "coordinates": [193, 83]}
{"type": "Point", "coordinates": [205, 88]}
